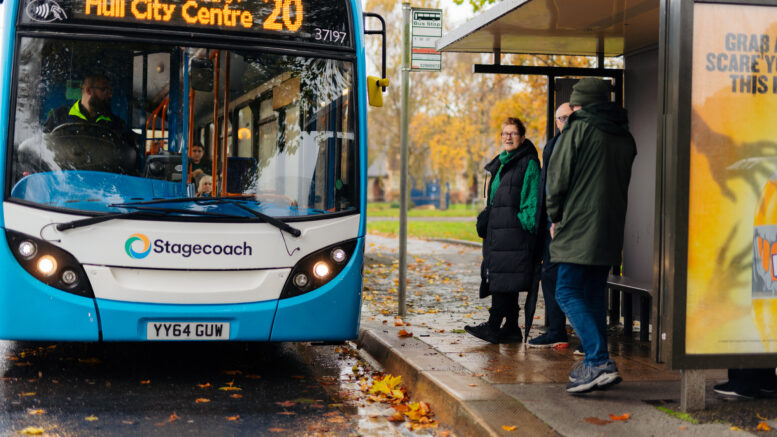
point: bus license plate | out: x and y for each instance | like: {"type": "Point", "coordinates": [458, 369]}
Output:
{"type": "Point", "coordinates": [187, 331]}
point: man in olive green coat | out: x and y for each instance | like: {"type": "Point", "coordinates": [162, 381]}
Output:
{"type": "Point", "coordinates": [588, 185]}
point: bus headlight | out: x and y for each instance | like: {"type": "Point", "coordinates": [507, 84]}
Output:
{"type": "Point", "coordinates": [49, 263]}
{"type": "Point", "coordinates": [321, 270]}
{"type": "Point", "coordinates": [69, 277]}
{"type": "Point", "coordinates": [339, 255]}
{"type": "Point", "coordinates": [301, 280]}
{"type": "Point", "coordinates": [318, 268]}
{"type": "Point", "coordinates": [27, 249]}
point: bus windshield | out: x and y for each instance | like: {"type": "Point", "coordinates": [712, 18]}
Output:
{"type": "Point", "coordinates": [98, 124]}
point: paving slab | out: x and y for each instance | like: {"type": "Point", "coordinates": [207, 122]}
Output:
{"type": "Point", "coordinates": [482, 389]}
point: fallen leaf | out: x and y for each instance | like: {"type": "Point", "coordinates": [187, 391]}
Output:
{"type": "Point", "coordinates": [233, 372]}
{"type": "Point", "coordinates": [233, 418]}
{"type": "Point", "coordinates": [91, 418]}
{"type": "Point", "coordinates": [734, 428]}
{"type": "Point", "coordinates": [763, 426]}
{"type": "Point", "coordinates": [230, 388]}
{"type": "Point", "coordinates": [202, 400]}
{"type": "Point", "coordinates": [236, 396]}
{"type": "Point", "coordinates": [33, 430]}
{"type": "Point", "coordinates": [29, 393]}
{"type": "Point", "coordinates": [286, 413]}
{"type": "Point", "coordinates": [417, 411]}
{"type": "Point", "coordinates": [173, 417]}
{"type": "Point", "coordinates": [397, 417]}
{"type": "Point", "coordinates": [37, 412]}
{"type": "Point", "coordinates": [403, 333]}
{"type": "Point", "coordinates": [286, 404]}
{"type": "Point", "coordinates": [683, 428]}
{"type": "Point", "coordinates": [336, 419]}
{"type": "Point", "coordinates": [278, 430]}
{"type": "Point", "coordinates": [252, 376]}
{"type": "Point", "coordinates": [206, 385]}
{"type": "Point", "coordinates": [597, 421]}
{"type": "Point", "coordinates": [509, 427]}
{"type": "Point", "coordinates": [305, 401]}
{"type": "Point", "coordinates": [621, 417]}
{"type": "Point", "coordinates": [148, 381]}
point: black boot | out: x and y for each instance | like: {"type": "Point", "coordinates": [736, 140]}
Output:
{"type": "Point", "coordinates": [487, 331]}
{"type": "Point", "coordinates": [484, 332]}
{"type": "Point", "coordinates": [509, 334]}
{"type": "Point", "coordinates": [511, 331]}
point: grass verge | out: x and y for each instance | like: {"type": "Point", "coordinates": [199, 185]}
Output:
{"type": "Point", "coordinates": [384, 209]}
{"type": "Point", "coordinates": [454, 230]}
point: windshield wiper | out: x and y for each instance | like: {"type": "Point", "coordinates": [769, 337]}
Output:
{"type": "Point", "coordinates": [103, 218]}
{"type": "Point", "coordinates": [155, 211]}
{"type": "Point", "coordinates": [197, 200]}
{"type": "Point", "coordinates": [280, 224]}
{"type": "Point", "coordinates": [140, 211]}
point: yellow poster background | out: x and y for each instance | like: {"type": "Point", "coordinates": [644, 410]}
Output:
{"type": "Point", "coordinates": [733, 158]}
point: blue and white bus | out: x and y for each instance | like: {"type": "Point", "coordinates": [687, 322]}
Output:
{"type": "Point", "coordinates": [106, 235]}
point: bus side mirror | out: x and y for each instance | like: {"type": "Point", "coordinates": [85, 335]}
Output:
{"type": "Point", "coordinates": [375, 90]}
{"type": "Point", "coordinates": [201, 75]}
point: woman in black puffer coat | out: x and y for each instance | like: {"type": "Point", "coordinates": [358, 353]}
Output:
{"type": "Point", "coordinates": [510, 233]}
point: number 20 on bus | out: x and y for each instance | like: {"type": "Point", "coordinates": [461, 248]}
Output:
{"type": "Point", "coordinates": [286, 14]}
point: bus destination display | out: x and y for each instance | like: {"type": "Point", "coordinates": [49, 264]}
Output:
{"type": "Point", "coordinates": [296, 18]}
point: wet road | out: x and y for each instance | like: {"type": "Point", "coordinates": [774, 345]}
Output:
{"type": "Point", "coordinates": [225, 389]}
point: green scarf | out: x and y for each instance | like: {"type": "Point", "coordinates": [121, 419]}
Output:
{"type": "Point", "coordinates": [504, 158]}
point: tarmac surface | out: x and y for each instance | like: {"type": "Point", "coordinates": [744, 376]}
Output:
{"type": "Point", "coordinates": [478, 388]}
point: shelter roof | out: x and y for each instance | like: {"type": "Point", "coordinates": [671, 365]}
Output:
{"type": "Point", "coordinates": [559, 27]}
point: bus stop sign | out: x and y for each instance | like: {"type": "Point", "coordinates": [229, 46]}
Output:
{"type": "Point", "coordinates": [426, 29]}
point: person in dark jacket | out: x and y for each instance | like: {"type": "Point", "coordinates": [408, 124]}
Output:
{"type": "Point", "coordinates": [508, 245]}
{"type": "Point", "coordinates": [556, 335]}
{"type": "Point", "coordinates": [588, 185]}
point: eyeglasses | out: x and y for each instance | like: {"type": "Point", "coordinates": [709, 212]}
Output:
{"type": "Point", "coordinates": [103, 88]}
{"type": "Point", "coordinates": [511, 134]}
{"type": "Point", "coordinates": [563, 118]}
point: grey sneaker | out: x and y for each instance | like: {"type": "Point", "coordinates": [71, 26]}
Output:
{"type": "Point", "coordinates": [588, 378]}
{"type": "Point", "coordinates": [577, 369]}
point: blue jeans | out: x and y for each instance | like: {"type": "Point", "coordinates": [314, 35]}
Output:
{"type": "Point", "coordinates": [557, 321]}
{"type": "Point", "coordinates": [580, 291]}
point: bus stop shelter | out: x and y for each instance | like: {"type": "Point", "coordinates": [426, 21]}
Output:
{"type": "Point", "coordinates": [699, 80]}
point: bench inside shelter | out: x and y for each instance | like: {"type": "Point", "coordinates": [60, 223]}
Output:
{"type": "Point", "coordinates": [622, 289]}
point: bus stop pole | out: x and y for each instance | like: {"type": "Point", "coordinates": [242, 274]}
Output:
{"type": "Point", "coordinates": [403, 191]}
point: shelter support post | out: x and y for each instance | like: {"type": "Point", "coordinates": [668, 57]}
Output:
{"type": "Point", "coordinates": [692, 390]}
{"type": "Point", "coordinates": [403, 152]}
{"type": "Point", "coordinates": [550, 127]}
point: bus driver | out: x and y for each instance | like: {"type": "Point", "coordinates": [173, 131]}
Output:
{"type": "Point", "coordinates": [94, 106]}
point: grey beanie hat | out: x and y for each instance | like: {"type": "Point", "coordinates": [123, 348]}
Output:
{"type": "Point", "coordinates": [590, 90]}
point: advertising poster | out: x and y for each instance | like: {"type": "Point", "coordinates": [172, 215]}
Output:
{"type": "Point", "coordinates": [732, 229]}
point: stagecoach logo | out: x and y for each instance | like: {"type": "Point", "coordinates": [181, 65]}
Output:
{"type": "Point", "coordinates": [144, 251]}
{"type": "Point", "coordinates": [142, 242]}
{"type": "Point", "coordinates": [45, 11]}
